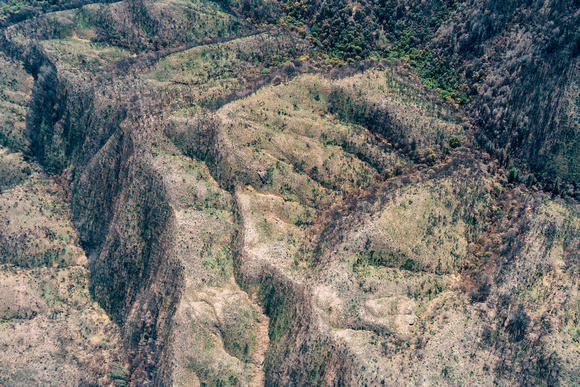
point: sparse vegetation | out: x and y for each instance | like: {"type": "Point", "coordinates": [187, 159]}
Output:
{"type": "Point", "coordinates": [273, 192]}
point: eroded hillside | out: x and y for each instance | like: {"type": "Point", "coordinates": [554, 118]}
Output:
{"type": "Point", "coordinates": [194, 195]}
{"type": "Point", "coordinates": [51, 329]}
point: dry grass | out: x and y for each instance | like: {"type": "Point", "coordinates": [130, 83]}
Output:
{"type": "Point", "coordinates": [386, 279]}
{"type": "Point", "coordinates": [15, 88]}
{"type": "Point", "coordinates": [37, 230]}
{"type": "Point", "coordinates": [75, 54]}
{"type": "Point", "coordinates": [50, 328]}
{"type": "Point", "coordinates": [214, 316]}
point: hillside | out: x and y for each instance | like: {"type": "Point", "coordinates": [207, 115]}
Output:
{"type": "Point", "coordinates": [261, 192]}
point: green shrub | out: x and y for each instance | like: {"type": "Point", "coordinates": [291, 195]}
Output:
{"type": "Point", "coordinates": [409, 265]}
{"type": "Point", "coordinates": [117, 372]}
{"type": "Point", "coordinates": [513, 175]}
{"type": "Point", "coordinates": [454, 142]}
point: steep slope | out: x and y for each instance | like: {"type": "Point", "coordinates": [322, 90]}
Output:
{"type": "Point", "coordinates": [133, 217]}
{"type": "Point", "coordinates": [521, 61]}
{"type": "Point", "coordinates": [512, 64]}
{"type": "Point", "coordinates": [252, 217]}
{"type": "Point", "coordinates": [51, 329]}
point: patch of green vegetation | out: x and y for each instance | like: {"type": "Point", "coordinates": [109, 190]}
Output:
{"type": "Point", "coordinates": [436, 73]}
{"type": "Point", "coordinates": [15, 6]}
{"type": "Point", "coordinates": [217, 260]}
{"type": "Point", "coordinates": [277, 306]}
{"type": "Point", "coordinates": [574, 334]}
{"type": "Point", "coordinates": [513, 175]}
{"type": "Point", "coordinates": [118, 373]}
{"type": "Point", "coordinates": [454, 142]}
{"type": "Point", "coordinates": [85, 55]}
{"type": "Point", "coordinates": [350, 33]}
{"type": "Point", "coordinates": [238, 330]}
{"type": "Point", "coordinates": [206, 370]}
{"type": "Point", "coordinates": [392, 259]}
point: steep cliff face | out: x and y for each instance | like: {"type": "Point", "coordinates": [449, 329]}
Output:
{"type": "Point", "coordinates": [119, 207]}
{"type": "Point", "coordinates": [130, 217]}
{"type": "Point", "coordinates": [50, 327]}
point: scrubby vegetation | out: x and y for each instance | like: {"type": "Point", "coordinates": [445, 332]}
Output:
{"type": "Point", "coordinates": [290, 193]}
{"type": "Point", "coordinates": [50, 325]}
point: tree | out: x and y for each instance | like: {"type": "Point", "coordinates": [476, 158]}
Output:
{"type": "Point", "coordinates": [513, 175]}
{"type": "Point", "coordinates": [517, 324]}
{"type": "Point", "coordinates": [454, 142]}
